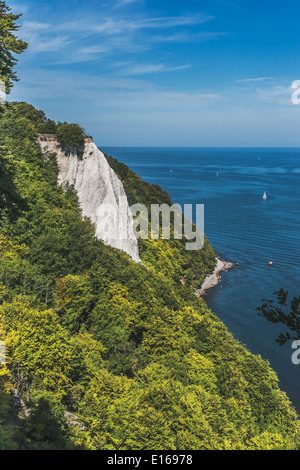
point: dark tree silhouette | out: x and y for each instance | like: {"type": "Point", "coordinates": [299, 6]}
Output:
{"type": "Point", "coordinates": [283, 311]}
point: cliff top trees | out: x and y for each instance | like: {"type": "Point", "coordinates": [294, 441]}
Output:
{"type": "Point", "coordinates": [70, 135]}
{"type": "Point", "coordinates": [9, 46]}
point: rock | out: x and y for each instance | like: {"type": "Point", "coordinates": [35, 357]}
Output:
{"type": "Point", "coordinates": [19, 404]}
{"type": "Point", "coordinates": [73, 420]}
{"type": "Point", "coordinates": [213, 279]}
{"type": "Point", "coordinates": [100, 193]}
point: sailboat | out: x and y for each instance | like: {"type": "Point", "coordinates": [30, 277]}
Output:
{"type": "Point", "coordinates": [265, 196]}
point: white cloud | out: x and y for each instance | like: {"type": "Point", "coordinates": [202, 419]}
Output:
{"type": "Point", "coordinates": [123, 3]}
{"type": "Point", "coordinates": [122, 93]}
{"type": "Point", "coordinates": [249, 80]}
{"type": "Point", "coordinates": [29, 26]}
{"type": "Point", "coordinates": [41, 45]}
{"type": "Point", "coordinates": [142, 69]}
{"type": "Point", "coordinates": [97, 37]}
{"type": "Point", "coordinates": [278, 95]}
{"type": "Point", "coordinates": [183, 37]}
{"type": "Point", "coordinates": [113, 26]}
{"type": "Point", "coordinates": [93, 50]}
{"type": "Point", "coordinates": [107, 33]}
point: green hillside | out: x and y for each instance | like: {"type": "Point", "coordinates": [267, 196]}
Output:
{"type": "Point", "coordinates": [105, 353]}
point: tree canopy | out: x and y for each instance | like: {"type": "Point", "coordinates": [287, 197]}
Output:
{"type": "Point", "coordinates": [10, 45]}
{"type": "Point", "coordinates": [70, 136]}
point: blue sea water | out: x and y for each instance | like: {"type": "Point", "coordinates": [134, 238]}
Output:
{"type": "Point", "coordinates": [242, 228]}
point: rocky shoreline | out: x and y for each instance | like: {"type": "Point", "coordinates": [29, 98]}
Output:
{"type": "Point", "coordinates": [213, 279]}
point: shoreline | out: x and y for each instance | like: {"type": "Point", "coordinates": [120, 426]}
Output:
{"type": "Point", "coordinates": [214, 279]}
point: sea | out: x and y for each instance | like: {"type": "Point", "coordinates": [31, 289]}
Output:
{"type": "Point", "coordinates": [243, 228]}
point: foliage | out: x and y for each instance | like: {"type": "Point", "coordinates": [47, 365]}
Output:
{"type": "Point", "coordinates": [10, 45]}
{"type": "Point", "coordinates": [70, 135]}
{"type": "Point", "coordinates": [38, 118]}
{"type": "Point", "coordinates": [280, 314]}
{"type": "Point", "coordinates": [43, 428]}
{"type": "Point", "coordinates": [127, 350]}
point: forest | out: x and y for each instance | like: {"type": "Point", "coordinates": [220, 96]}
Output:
{"type": "Point", "coordinates": [103, 353]}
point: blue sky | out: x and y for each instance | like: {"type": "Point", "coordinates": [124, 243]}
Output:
{"type": "Point", "coordinates": [164, 73]}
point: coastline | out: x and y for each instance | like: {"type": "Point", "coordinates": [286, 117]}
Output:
{"type": "Point", "coordinates": [213, 279]}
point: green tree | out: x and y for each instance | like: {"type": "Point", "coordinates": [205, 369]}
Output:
{"type": "Point", "coordinates": [9, 45]}
{"type": "Point", "coordinates": [70, 136]}
{"type": "Point", "coordinates": [43, 429]}
{"type": "Point", "coordinates": [10, 201]}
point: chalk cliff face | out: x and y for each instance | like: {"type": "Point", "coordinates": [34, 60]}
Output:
{"type": "Point", "coordinates": [100, 192]}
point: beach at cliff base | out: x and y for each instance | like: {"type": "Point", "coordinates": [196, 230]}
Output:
{"type": "Point", "coordinates": [213, 279]}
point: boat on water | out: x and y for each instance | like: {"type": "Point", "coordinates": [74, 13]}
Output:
{"type": "Point", "coordinates": [265, 196]}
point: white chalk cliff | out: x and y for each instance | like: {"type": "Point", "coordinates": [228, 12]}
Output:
{"type": "Point", "coordinates": [100, 193]}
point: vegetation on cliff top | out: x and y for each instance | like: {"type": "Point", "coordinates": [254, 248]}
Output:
{"type": "Point", "coordinates": [70, 136]}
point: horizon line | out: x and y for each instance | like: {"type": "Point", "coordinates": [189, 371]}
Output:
{"type": "Point", "coordinates": [199, 147]}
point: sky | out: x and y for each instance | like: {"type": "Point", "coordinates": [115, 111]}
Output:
{"type": "Point", "coordinates": [168, 73]}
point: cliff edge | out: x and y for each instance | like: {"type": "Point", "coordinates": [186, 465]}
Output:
{"type": "Point", "coordinates": [100, 192]}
